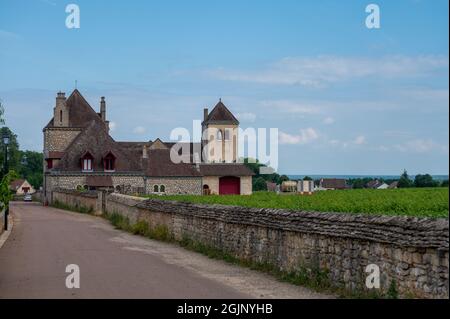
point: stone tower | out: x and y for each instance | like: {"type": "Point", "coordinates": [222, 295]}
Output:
{"type": "Point", "coordinates": [220, 135]}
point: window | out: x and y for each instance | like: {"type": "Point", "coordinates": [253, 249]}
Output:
{"type": "Point", "coordinates": [219, 135]}
{"type": "Point", "coordinates": [60, 116]}
{"type": "Point", "coordinates": [156, 189]}
{"type": "Point", "coordinates": [87, 162]}
{"type": "Point", "coordinates": [109, 162]}
{"type": "Point", "coordinates": [162, 189]}
{"type": "Point", "coordinates": [49, 163]}
{"type": "Point", "coordinates": [227, 134]}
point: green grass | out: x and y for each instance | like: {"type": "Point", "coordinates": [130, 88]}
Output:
{"type": "Point", "coordinates": [420, 202]}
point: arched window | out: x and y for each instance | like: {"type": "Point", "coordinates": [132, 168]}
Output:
{"type": "Point", "coordinates": [219, 135]}
{"type": "Point", "coordinates": [162, 189]}
{"type": "Point", "coordinates": [156, 189]}
{"type": "Point", "coordinates": [227, 134]}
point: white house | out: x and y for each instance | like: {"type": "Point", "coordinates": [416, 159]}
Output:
{"type": "Point", "coordinates": [22, 187]}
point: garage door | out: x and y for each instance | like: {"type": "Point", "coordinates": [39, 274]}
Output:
{"type": "Point", "coordinates": [229, 185]}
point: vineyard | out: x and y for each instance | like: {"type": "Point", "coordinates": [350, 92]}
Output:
{"type": "Point", "coordinates": [423, 202]}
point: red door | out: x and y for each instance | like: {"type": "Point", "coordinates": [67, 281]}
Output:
{"type": "Point", "coordinates": [229, 185]}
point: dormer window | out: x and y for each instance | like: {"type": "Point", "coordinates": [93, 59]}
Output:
{"type": "Point", "coordinates": [109, 162]}
{"type": "Point", "coordinates": [87, 162]}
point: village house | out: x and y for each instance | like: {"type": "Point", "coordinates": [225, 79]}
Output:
{"type": "Point", "coordinates": [21, 187]}
{"type": "Point", "coordinates": [332, 184]}
{"type": "Point", "coordinates": [79, 153]}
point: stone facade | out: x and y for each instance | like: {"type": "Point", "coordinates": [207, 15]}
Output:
{"type": "Point", "coordinates": [57, 140]}
{"type": "Point", "coordinates": [175, 185]}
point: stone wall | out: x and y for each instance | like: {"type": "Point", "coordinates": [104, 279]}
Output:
{"type": "Point", "coordinates": [411, 253]}
{"type": "Point", "coordinates": [79, 200]}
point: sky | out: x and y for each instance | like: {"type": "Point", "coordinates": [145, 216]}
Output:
{"type": "Point", "coordinates": [346, 99]}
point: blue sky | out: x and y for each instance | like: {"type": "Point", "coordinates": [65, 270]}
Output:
{"type": "Point", "coordinates": [346, 99]}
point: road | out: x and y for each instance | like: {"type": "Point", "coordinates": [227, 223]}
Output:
{"type": "Point", "coordinates": [115, 264]}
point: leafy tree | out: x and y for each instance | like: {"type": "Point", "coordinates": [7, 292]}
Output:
{"type": "Point", "coordinates": [307, 178]}
{"type": "Point", "coordinates": [13, 149]}
{"type": "Point", "coordinates": [255, 166]}
{"type": "Point", "coordinates": [30, 167]}
{"type": "Point", "coordinates": [2, 112]}
{"type": "Point", "coordinates": [444, 183]}
{"type": "Point", "coordinates": [260, 184]}
{"type": "Point", "coordinates": [425, 181]}
{"type": "Point", "coordinates": [404, 180]}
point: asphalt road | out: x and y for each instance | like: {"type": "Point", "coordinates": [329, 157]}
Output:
{"type": "Point", "coordinates": [115, 264]}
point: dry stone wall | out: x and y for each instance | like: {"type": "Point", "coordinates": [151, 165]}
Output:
{"type": "Point", "coordinates": [411, 253]}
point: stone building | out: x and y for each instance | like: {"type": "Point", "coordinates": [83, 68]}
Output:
{"type": "Point", "coordinates": [79, 153]}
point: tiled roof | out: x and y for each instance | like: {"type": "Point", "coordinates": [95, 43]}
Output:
{"type": "Point", "coordinates": [96, 140]}
{"type": "Point", "coordinates": [160, 164]}
{"type": "Point", "coordinates": [80, 112]}
{"type": "Point", "coordinates": [336, 183]}
{"type": "Point", "coordinates": [220, 114]}
{"type": "Point", "coordinates": [225, 169]}
{"type": "Point", "coordinates": [16, 184]}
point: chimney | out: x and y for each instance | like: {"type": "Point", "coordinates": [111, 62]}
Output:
{"type": "Point", "coordinates": [60, 99]}
{"type": "Point", "coordinates": [205, 113]}
{"type": "Point", "coordinates": [103, 108]}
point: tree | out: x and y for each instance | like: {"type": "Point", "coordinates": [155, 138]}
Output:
{"type": "Point", "coordinates": [307, 178]}
{"type": "Point", "coordinates": [404, 180]}
{"type": "Point", "coordinates": [425, 181]}
{"type": "Point", "coordinates": [444, 183]}
{"type": "Point", "coordinates": [255, 166]}
{"type": "Point", "coordinates": [2, 113]}
{"type": "Point", "coordinates": [30, 167]}
{"type": "Point", "coordinates": [13, 149]}
{"type": "Point", "coordinates": [259, 184]}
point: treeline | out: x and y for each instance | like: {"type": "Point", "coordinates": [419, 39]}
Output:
{"type": "Point", "coordinates": [260, 180]}
{"type": "Point", "coordinates": [26, 164]}
{"type": "Point", "coordinates": [404, 181]}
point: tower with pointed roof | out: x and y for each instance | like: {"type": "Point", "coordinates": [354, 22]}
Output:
{"type": "Point", "coordinates": [219, 135]}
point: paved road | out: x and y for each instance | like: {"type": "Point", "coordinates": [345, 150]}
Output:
{"type": "Point", "coordinates": [114, 264]}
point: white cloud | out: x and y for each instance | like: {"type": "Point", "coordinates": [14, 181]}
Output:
{"type": "Point", "coordinates": [246, 117]}
{"type": "Point", "coordinates": [112, 126]}
{"type": "Point", "coordinates": [359, 140]}
{"type": "Point", "coordinates": [328, 120]}
{"type": "Point", "coordinates": [306, 136]}
{"type": "Point", "coordinates": [421, 146]}
{"type": "Point", "coordinates": [139, 130]}
{"type": "Point", "coordinates": [291, 107]}
{"type": "Point", "coordinates": [321, 70]}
